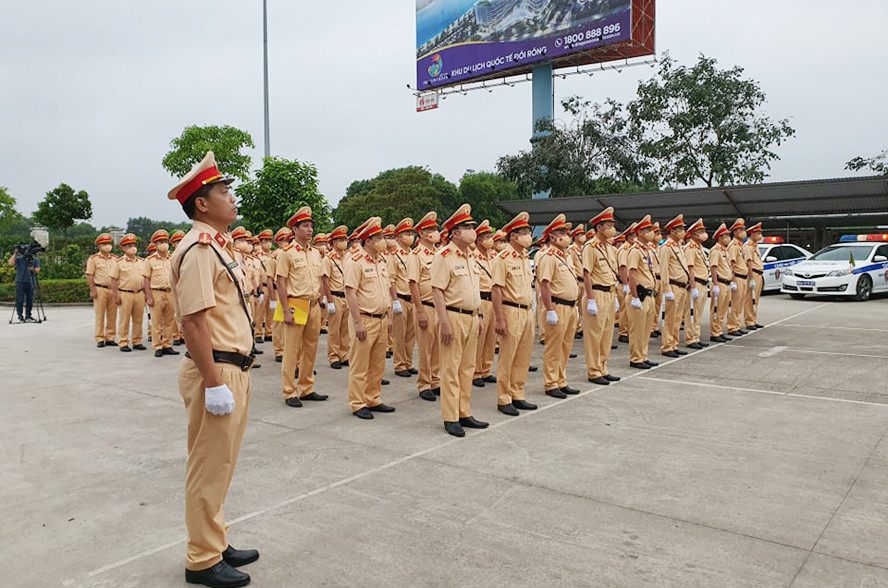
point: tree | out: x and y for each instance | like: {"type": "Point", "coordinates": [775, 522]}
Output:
{"type": "Point", "coordinates": [143, 227]}
{"type": "Point", "coordinates": [61, 207]}
{"type": "Point", "coordinates": [396, 194]}
{"type": "Point", "coordinates": [483, 190]}
{"type": "Point", "coordinates": [279, 189]}
{"type": "Point", "coordinates": [8, 213]}
{"type": "Point", "coordinates": [592, 153]}
{"type": "Point", "coordinates": [877, 164]}
{"type": "Point", "coordinates": [225, 142]}
{"type": "Point", "coordinates": [703, 124]}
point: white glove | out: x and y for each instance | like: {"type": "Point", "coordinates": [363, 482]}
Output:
{"type": "Point", "coordinates": [694, 293]}
{"type": "Point", "coordinates": [592, 307]}
{"type": "Point", "coordinates": [324, 300]}
{"type": "Point", "coordinates": [331, 308]}
{"type": "Point", "coordinates": [669, 296]}
{"type": "Point", "coordinates": [617, 303]}
{"type": "Point", "coordinates": [273, 304]}
{"type": "Point", "coordinates": [636, 303]}
{"type": "Point", "coordinates": [733, 286]}
{"type": "Point", "coordinates": [625, 289]}
{"type": "Point", "coordinates": [715, 291]}
{"type": "Point", "coordinates": [396, 307]}
{"type": "Point", "coordinates": [262, 298]}
{"type": "Point", "coordinates": [752, 284]}
{"type": "Point", "coordinates": [219, 400]}
{"type": "Point", "coordinates": [551, 317]}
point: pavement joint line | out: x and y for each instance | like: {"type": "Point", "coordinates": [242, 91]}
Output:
{"type": "Point", "coordinates": [417, 454]}
{"type": "Point", "coordinates": [796, 350]}
{"type": "Point", "coordinates": [837, 327]}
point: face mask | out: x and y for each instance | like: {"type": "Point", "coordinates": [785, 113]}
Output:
{"type": "Point", "coordinates": [163, 247]}
{"type": "Point", "coordinates": [610, 232]}
{"type": "Point", "coordinates": [468, 235]}
{"type": "Point", "coordinates": [406, 240]}
{"type": "Point", "coordinates": [435, 236]}
{"type": "Point", "coordinates": [679, 235]}
{"type": "Point", "coordinates": [703, 236]}
{"type": "Point", "coordinates": [525, 240]}
{"type": "Point", "coordinates": [266, 246]}
{"type": "Point", "coordinates": [130, 250]}
{"type": "Point", "coordinates": [581, 239]}
{"type": "Point", "coordinates": [340, 244]}
{"type": "Point", "coordinates": [562, 242]}
{"type": "Point", "coordinates": [486, 242]}
{"type": "Point", "coordinates": [379, 245]}
{"type": "Point", "coordinates": [105, 248]}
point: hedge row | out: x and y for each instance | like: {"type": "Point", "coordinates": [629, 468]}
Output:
{"type": "Point", "coordinates": [53, 291]}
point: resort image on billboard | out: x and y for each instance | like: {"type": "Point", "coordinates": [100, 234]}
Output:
{"type": "Point", "coordinates": [460, 40]}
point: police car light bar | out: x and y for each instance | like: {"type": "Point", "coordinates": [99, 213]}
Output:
{"type": "Point", "coordinates": [772, 240]}
{"type": "Point", "coordinates": [852, 238]}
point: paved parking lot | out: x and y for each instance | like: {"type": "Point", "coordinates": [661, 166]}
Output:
{"type": "Point", "coordinates": [761, 462]}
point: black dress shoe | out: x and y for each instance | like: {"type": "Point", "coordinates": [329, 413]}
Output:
{"type": "Point", "coordinates": [345, 363]}
{"type": "Point", "coordinates": [578, 335]}
{"type": "Point", "coordinates": [454, 428]}
{"type": "Point", "coordinates": [611, 378]}
{"type": "Point", "coordinates": [651, 363]}
{"type": "Point", "coordinates": [556, 393]}
{"type": "Point", "coordinates": [258, 339]}
{"type": "Point", "coordinates": [100, 344]}
{"type": "Point", "coordinates": [572, 355]}
{"type": "Point", "coordinates": [279, 358]}
{"type": "Point", "coordinates": [507, 409]}
{"type": "Point", "coordinates": [680, 352]}
{"type": "Point", "coordinates": [542, 341]}
{"type": "Point", "coordinates": [381, 408]}
{"type": "Point", "coordinates": [125, 348]}
{"type": "Point", "coordinates": [601, 381]}
{"type": "Point", "coordinates": [719, 339]}
{"type": "Point", "coordinates": [655, 334]}
{"type": "Point", "coordinates": [436, 391]}
{"type": "Point", "coordinates": [695, 346]}
{"type": "Point", "coordinates": [257, 351]}
{"type": "Point", "coordinates": [179, 342]}
{"type": "Point", "coordinates": [239, 557]}
{"type": "Point", "coordinates": [532, 368]}
{"type": "Point", "coordinates": [478, 383]}
{"type": "Point", "coordinates": [221, 575]}
{"type": "Point", "coordinates": [268, 338]}
{"type": "Point", "coordinates": [139, 347]}
{"type": "Point", "coordinates": [669, 354]}
{"type": "Point", "coordinates": [323, 331]}
{"type": "Point", "coordinates": [110, 343]}
{"type": "Point", "coordinates": [491, 379]}
{"type": "Point", "coordinates": [639, 366]}
{"type": "Point", "coordinates": [623, 338]}
{"type": "Point", "coordinates": [523, 405]}
{"type": "Point", "coordinates": [613, 347]}
{"type": "Point", "coordinates": [413, 371]}
{"type": "Point", "coordinates": [758, 326]}
{"type": "Point", "coordinates": [702, 344]}
{"type": "Point", "coordinates": [169, 351]}
{"type": "Point", "coordinates": [388, 354]}
{"type": "Point", "coordinates": [403, 373]}
{"type": "Point", "coordinates": [751, 327]}
{"type": "Point", "coordinates": [384, 382]}
{"type": "Point", "coordinates": [473, 423]}
{"type": "Point", "coordinates": [735, 333]}
{"type": "Point", "coordinates": [427, 395]}
{"type": "Point", "coordinates": [314, 396]}
{"type": "Point", "coordinates": [336, 365]}
{"type": "Point", "coordinates": [293, 402]}
{"type": "Point", "coordinates": [569, 390]}
{"type": "Point", "coordinates": [363, 413]}
{"type": "Point", "coordinates": [158, 353]}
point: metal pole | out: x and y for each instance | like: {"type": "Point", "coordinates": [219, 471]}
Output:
{"type": "Point", "coordinates": [543, 104]}
{"type": "Point", "coordinates": [265, 63]}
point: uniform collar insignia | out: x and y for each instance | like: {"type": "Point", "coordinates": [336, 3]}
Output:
{"type": "Point", "coordinates": [220, 239]}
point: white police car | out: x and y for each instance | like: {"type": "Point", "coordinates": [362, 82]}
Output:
{"type": "Point", "coordinates": [855, 266]}
{"type": "Point", "coordinates": [776, 257]}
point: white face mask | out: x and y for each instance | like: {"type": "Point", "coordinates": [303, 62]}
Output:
{"type": "Point", "coordinates": [266, 245]}
{"type": "Point", "coordinates": [106, 248]}
{"type": "Point", "coordinates": [435, 236]}
{"type": "Point", "coordinates": [407, 240]}
{"type": "Point", "coordinates": [610, 232]}
{"type": "Point", "coordinates": [130, 250]}
{"type": "Point", "coordinates": [379, 245]}
{"type": "Point", "coordinates": [162, 247]}
{"type": "Point", "coordinates": [525, 240]}
{"type": "Point", "coordinates": [562, 242]}
{"type": "Point", "coordinates": [340, 244]}
{"type": "Point", "coordinates": [467, 235]}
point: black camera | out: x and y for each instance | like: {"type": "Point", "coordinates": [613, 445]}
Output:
{"type": "Point", "coordinates": [29, 249]}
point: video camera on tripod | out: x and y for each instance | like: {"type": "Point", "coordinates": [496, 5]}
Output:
{"type": "Point", "coordinates": [29, 250]}
{"type": "Point", "coordinates": [29, 290]}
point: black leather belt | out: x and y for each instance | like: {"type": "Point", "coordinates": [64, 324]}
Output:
{"type": "Point", "coordinates": [377, 316]}
{"type": "Point", "coordinates": [725, 282]}
{"type": "Point", "coordinates": [679, 284]}
{"type": "Point", "coordinates": [741, 276]}
{"type": "Point", "coordinates": [486, 295]}
{"type": "Point", "coordinates": [129, 291]}
{"type": "Point", "coordinates": [337, 294]}
{"type": "Point", "coordinates": [406, 297]}
{"type": "Point", "coordinates": [244, 362]}
{"type": "Point", "coordinates": [701, 281]}
{"type": "Point", "coordinates": [161, 289]}
{"type": "Point", "coordinates": [564, 302]}
{"type": "Point", "coordinates": [657, 276]}
{"type": "Point", "coordinates": [427, 303]}
{"type": "Point", "coordinates": [602, 288]}
{"type": "Point", "coordinates": [101, 286]}
{"type": "Point", "coordinates": [759, 272]}
{"type": "Point", "coordinates": [515, 305]}
{"type": "Point", "coordinates": [460, 310]}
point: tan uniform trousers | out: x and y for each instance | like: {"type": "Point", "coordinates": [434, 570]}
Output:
{"type": "Point", "coordinates": [366, 361]}
{"type": "Point", "coordinates": [540, 318]}
{"type": "Point", "coordinates": [429, 376]}
{"type": "Point", "coordinates": [581, 305]}
{"type": "Point", "coordinates": [404, 332]}
{"type": "Point", "coordinates": [259, 316]}
{"type": "Point", "coordinates": [277, 336]}
{"type": "Point", "coordinates": [337, 331]}
{"type": "Point", "coordinates": [213, 446]}
{"type": "Point", "coordinates": [300, 352]}
{"type": "Point", "coordinates": [514, 356]}
{"type": "Point", "coordinates": [622, 316]}
{"type": "Point", "coordinates": [750, 309]}
{"type": "Point", "coordinates": [162, 319]}
{"type": "Point", "coordinates": [718, 309]}
{"type": "Point", "coordinates": [268, 314]}
{"type": "Point", "coordinates": [598, 333]}
{"type": "Point", "coordinates": [693, 321]}
{"type": "Point", "coordinates": [675, 312]}
{"type": "Point", "coordinates": [106, 314]}
{"type": "Point", "coordinates": [486, 342]}
{"type": "Point", "coordinates": [738, 303]}
{"type": "Point", "coordinates": [641, 323]}
{"type": "Point", "coordinates": [559, 341]}
{"type": "Point", "coordinates": [132, 310]}
{"type": "Point", "coordinates": [458, 367]}
{"type": "Point", "coordinates": [658, 308]}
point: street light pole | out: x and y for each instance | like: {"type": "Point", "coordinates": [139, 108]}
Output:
{"type": "Point", "coordinates": [265, 60]}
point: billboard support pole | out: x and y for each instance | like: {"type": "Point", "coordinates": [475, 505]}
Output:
{"type": "Point", "coordinates": [265, 72]}
{"type": "Point", "coordinates": [543, 105]}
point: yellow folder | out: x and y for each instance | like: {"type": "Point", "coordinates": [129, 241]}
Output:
{"type": "Point", "coordinates": [300, 311]}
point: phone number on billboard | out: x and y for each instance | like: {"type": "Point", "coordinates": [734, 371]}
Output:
{"type": "Point", "coordinates": [591, 34]}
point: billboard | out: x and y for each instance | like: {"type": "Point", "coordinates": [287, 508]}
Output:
{"type": "Point", "coordinates": [470, 40]}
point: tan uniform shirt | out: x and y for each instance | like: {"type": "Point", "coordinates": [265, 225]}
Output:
{"type": "Point", "coordinates": [752, 257]}
{"type": "Point", "coordinates": [695, 258]}
{"type": "Point", "coordinates": [370, 280]}
{"type": "Point", "coordinates": [640, 258]}
{"type": "Point", "coordinates": [655, 258]}
{"type": "Point", "coordinates": [674, 266]}
{"type": "Point", "coordinates": [718, 258]}
{"type": "Point", "coordinates": [576, 254]}
{"type": "Point", "coordinates": [303, 269]}
{"type": "Point", "coordinates": [157, 270]}
{"type": "Point", "coordinates": [99, 267]}
{"type": "Point", "coordinates": [556, 267]}
{"type": "Point", "coordinates": [735, 257]}
{"type": "Point", "coordinates": [400, 259]}
{"type": "Point", "coordinates": [623, 255]}
{"type": "Point", "coordinates": [128, 273]}
{"type": "Point", "coordinates": [457, 275]}
{"type": "Point", "coordinates": [419, 269]}
{"type": "Point", "coordinates": [600, 260]}
{"type": "Point", "coordinates": [334, 269]}
{"type": "Point", "coordinates": [201, 281]}
{"type": "Point", "coordinates": [511, 271]}
{"type": "Point", "coordinates": [483, 260]}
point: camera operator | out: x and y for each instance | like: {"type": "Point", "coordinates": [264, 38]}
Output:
{"type": "Point", "coordinates": [26, 269]}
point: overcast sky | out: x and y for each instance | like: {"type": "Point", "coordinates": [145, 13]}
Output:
{"type": "Point", "coordinates": [92, 92]}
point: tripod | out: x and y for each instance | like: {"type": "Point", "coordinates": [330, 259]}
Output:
{"type": "Point", "coordinates": [36, 297]}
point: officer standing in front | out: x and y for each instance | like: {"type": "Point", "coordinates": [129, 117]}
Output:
{"type": "Point", "coordinates": [676, 283]}
{"type": "Point", "coordinates": [698, 264]}
{"type": "Point", "coordinates": [403, 329]}
{"type": "Point", "coordinates": [487, 340]}
{"type": "Point", "coordinates": [642, 284]}
{"type": "Point", "coordinates": [156, 283]}
{"type": "Point", "coordinates": [126, 286]}
{"type": "Point", "coordinates": [98, 276]}
{"type": "Point", "coordinates": [208, 290]}
{"type": "Point", "coordinates": [739, 286]}
{"type": "Point", "coordinates": [333, 282]}
{"type": "Point", "coordinates": [756, 267]}
{"type": "Point", "coordinates": [601, 282]}
{"type": "Point", "coordinates": [418, 272]}
{"type": "Point", "coordinates": [720, 267]}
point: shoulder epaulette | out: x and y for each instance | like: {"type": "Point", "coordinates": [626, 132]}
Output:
{"type": "Point", "coordinates": [357, 256]}
{"type": "Point", "coordinates": [204, 239]}
{"type": "Point", "coordinates": [444, 251]}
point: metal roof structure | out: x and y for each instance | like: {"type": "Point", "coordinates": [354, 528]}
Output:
{"type": "Point", "coordinates": [809, 204]}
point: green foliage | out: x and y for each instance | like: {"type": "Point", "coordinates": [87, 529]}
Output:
{"type": "Point", "coordinates": [877, 164]}
{"type": "Point", "coordinates": [8, 213]}
{"type": "Point", "coordinates": [279, 189]}
{"type": "Point", "coordinates": [61, 207]}
{"type": "Point", "coordinates": [53, 291]}
{"type": "Point", "coordinates": [225, 142]}
{"type": "Point", "coordinates": [703, 124]}
{"type": "Point", "coordinates": [482, 191]}
{"type": "Point", "coordinates": [143, 227]}
{"type": "Point", "coordinates": [395, 194]}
